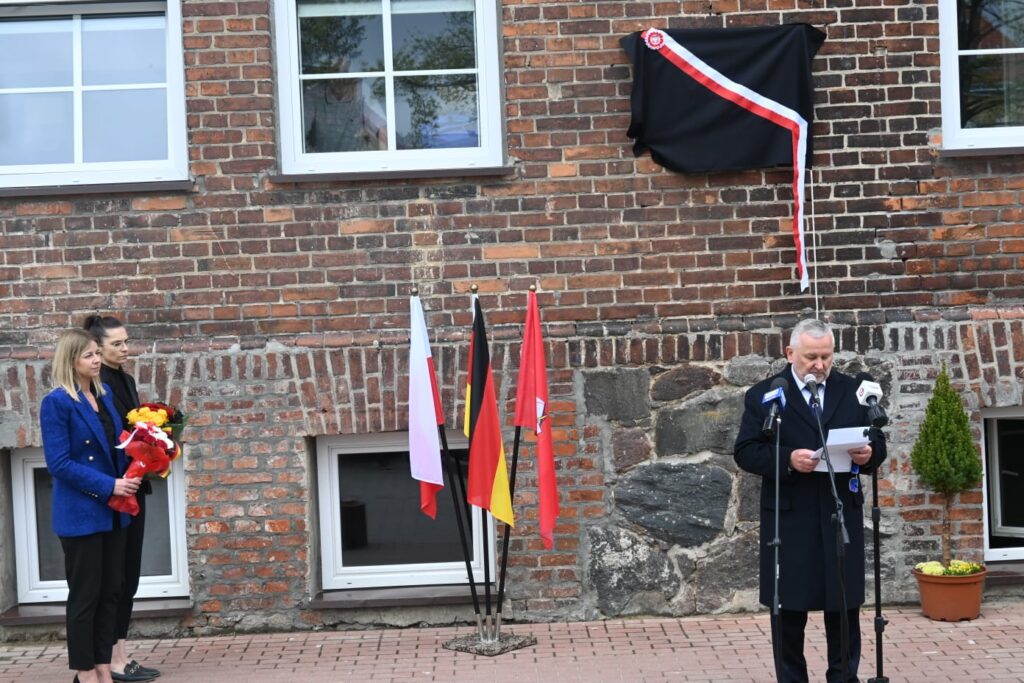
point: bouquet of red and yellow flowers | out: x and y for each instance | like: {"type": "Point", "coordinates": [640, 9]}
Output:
{"type": "Point", "coordinates": [161, 415]}
{"type": "Point", "coordinates": [151, 442]}
{"type": "Point", "coordinates": [151, 451]}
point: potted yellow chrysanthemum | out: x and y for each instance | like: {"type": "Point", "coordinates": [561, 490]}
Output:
{"type": "Point", "coordinates": [946, 460]}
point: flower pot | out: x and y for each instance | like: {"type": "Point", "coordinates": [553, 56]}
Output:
{"type": "Point", "coordinates": [951, 598]}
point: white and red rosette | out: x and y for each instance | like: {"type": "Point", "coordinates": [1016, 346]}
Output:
{"type": "Point", "coordinates": [654, 38]}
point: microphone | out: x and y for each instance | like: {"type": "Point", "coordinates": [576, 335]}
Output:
{"type": "Point", "coordinates": [812, 386]}
{"type": "Point", "coordinates": [868, 394]}
{"type": "Point", "coordinates": [776, 396]}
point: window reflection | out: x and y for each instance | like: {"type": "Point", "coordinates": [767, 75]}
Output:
{"type": "Point", "coordinates": [381, 521]}
{"type": "Point", "coordinates": [991, 85]}
{"type": "Point", "coordinates": [436, 112]}
{"type": "Point", "coordinates": [344, 115]}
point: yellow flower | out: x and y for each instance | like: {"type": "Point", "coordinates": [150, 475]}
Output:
{"type": "Point", "coordinates": [146, 414]}
{"type": "Point", "coordinates": [955, 568]}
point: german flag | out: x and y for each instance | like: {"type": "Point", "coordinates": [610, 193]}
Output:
{"type": "Point", "coordinates": [488, 474]}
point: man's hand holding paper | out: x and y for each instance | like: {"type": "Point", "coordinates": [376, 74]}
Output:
{"type": "Point", "coordinates": [846, 446]}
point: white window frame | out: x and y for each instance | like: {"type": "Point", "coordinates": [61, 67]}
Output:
{"type": "Point", "coordinates": [336, 576]}
{"type": "Point", "coordinates": [32, 589]}
{"type": "Point", "coordinates": [295, 161]}
{"type": "Point", "coordinates": [990, 462]}
{"type": "Point", "coordinates": [174, 168]}
{"type": "Point", "coordinates": [955, 138]}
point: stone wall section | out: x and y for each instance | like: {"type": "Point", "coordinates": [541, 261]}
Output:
{"type": "Point", "coordinates": [655, 516]}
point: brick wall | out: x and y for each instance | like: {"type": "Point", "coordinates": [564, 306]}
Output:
{"type": "Point", "coordinates": [277, 311]}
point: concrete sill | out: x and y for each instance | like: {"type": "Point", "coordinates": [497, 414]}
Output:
{"type": "Point", "coordinates": [53, 612]}
{"type": "Point", "coordinates": [1005, 573]}
{"type": "Point", "coordinates": [405, 596]}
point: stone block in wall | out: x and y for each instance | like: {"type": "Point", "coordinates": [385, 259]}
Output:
{"type": "Point", "coordinates": [680, 503]}
{"type": "Point", "coordinates": [726, 579]}
{"type": "Point", "coordinates": [747, 370]}
{"type": "Point", "coordinates": [10, 426]}
{"type": "Point", "coordinates": [683, 381]}
{"type": "Point", "coordinates": [622, 395]}
{"type": "Point", "coordinates": [707, 423]}
{"type": "Point", "coordinates": [629, 447]}
{"type": "Point", "coordinates": [628, 574]}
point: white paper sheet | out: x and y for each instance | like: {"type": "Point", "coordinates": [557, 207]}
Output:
{"type": "Point", "coordinates": [839, 442]}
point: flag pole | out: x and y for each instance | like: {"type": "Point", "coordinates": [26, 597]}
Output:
{"type": "Point", "coordinates": [454, 471]}
{"type": "Point", "coordinates": [505, 540]}
{"type": "Point", "coordinates": [485, 633]}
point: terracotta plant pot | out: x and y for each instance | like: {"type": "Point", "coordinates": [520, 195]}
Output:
{"type": "Point", "coordinates": [951, 598]}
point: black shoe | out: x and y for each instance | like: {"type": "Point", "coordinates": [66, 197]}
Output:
{"type": "Point", "coordinates": [148, 670]}
{"type": "Point", "coordinates": [131, 674]}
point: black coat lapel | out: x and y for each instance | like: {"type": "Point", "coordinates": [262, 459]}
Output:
{"type": "Point", "coordinates": [796, 401]}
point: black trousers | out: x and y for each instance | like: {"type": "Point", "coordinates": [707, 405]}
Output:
{"type": "Point", "coordinates": [94, 566]}
{"type": "Point", "coordinates": [788, 636]}
{"type": "Point", "coordinates": [132, 567]}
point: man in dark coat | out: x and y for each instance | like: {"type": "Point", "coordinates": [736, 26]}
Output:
{"type": "Point", "coordinates": [808, 576]}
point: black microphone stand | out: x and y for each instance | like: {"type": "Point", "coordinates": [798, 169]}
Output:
{"type": "Point", "coordinates": [842, 539]}
{"type": "Point", "coordinates": [774, 427]}
{"type": "Point", "coordinates": [880, 621]}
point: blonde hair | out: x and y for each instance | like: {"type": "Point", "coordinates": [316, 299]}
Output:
{"type": "Point", "coordinates": [70, 346]}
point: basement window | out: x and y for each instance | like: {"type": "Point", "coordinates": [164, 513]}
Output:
{"type": "Point", "coordinates": [38, 555]}
{"type": "Point", "coordinates": [372, 532]}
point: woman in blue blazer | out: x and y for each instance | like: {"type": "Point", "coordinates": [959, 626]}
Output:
{"type": "Point", "coordinates": [80, 428]}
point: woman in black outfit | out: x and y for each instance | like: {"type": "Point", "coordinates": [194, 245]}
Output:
{"type": "Point", "coordinates": [113, 339]}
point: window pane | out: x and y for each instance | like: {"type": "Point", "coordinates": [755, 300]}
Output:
{"type": "Point", "coordinates": [35, 54]}
{"type": "Point", "coordinates": [156, 544]}
{"type": "Point", "coordinates": [435, 112]}
{"type": "Point", "coordinates": [435, 40]}
{"type": "Point", "coordinates": [125, 125]}
{"type": "Point", "coordinates": [336, 45]}
{"type": "Point", "coordinates": [123, 50]}
{"type": "Point", "coordinates": [51, 555]}
{"type": "Point", "coordinates": [36, 129]}
{"type": "Point", "coordinates": [1011, 473]}
{"type": "Point", "coordinates": [344, 115]}
{"type": "Point", "coordinates": [381, 521]}
{"type": "Point", "coordinates": [990, 24]}
{"type": "Point", "coordinates": [992, 91]}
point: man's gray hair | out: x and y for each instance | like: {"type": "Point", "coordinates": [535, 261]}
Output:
{"type": "Point", "coordinates": [812, 328]}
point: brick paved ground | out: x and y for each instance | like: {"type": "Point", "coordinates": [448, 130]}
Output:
{"type": "Point", "coordinates": [706, 650]}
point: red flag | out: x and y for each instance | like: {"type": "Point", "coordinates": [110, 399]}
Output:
{"type": "Point", "coordinates": [488, 475]}
{"type": "Point", "coordinates": [532, 413]}
{"type": "Point", "coordinates": [425, 413]}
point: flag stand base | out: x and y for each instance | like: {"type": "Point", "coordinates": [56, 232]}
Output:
{"type": "Point", "coordinates": [505, 642]}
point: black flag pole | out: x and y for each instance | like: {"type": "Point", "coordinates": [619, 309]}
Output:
{"type": "Point", "coordinates": [505, 540]}
{"type": "Point", "coordinates": [455, 473]}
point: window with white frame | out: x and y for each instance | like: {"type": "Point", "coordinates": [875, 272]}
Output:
{"type": "Point", "coordinates": [91, 94]}
{"type": "Point", "coordinates": [372, 532]}
{"type": "Point", "coordinates": [982, 65]}
{"type": "Point", "coordinates": [1004, 483]}
{"type": "Point", "coordinates": [40, 560]}
{"type": "Point", "coordinates": [370, 86]}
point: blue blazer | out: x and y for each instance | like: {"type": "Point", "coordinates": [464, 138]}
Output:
{"type": "Point", "coordinates": [79, 460]}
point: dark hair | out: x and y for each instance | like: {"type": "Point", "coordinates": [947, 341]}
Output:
{"type": "Point", "coordinates": [97, 325]}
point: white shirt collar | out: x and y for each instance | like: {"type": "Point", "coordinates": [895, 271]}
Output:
{"type": "Point", "coordinates": [800, 382]}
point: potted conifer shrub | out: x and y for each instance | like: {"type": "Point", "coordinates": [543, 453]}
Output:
{"type": "Point", "coordinates": [945, 460]}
